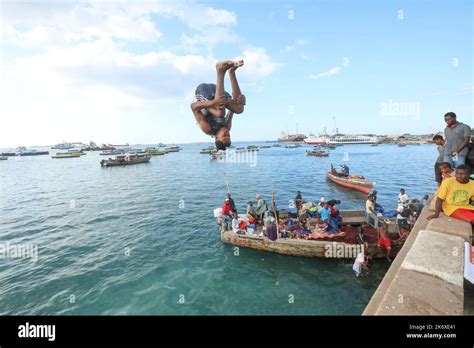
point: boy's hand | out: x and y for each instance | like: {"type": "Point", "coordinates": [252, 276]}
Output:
{"type": "Point", "coordinates": [241, 99]}
{"type": "Point", "coordinates": [219, 102]}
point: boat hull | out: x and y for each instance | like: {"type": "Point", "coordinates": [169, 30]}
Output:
{"type": "Point", "coordinates": [362, 187]}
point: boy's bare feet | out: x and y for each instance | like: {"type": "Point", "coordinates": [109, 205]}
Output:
{"type": "Point", "coordinates": [224, 65]}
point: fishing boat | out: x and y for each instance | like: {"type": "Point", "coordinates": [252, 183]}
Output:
{"type": "Point", "coordinates": [22, 151]}
{"type": "Point", "coordinates": [173, 148]}
{"type": "Point", "coordinates": [265, 146]}
{"type": "Point", "coordinates": [374, 144]}
{"type": "Point", "coordinates": [402, 145]}
{"type": "Point", "coordinates": [59, 155]}
{"type": "Point", "coordinates": [276, 145]}
{"type": "Point", "coordinates": [292, 146]}
{"type": "Point", "coordinates": [153, 151]}
{"type": "Point", "coordinates": [317, 153]}
{"type": "Point", "coordinates": [355, 182]}
{"type": "Point", "coordinates": [3, 158]}
{"type": "Point", "coordinates": [342, 245]}
{"type": "Point", "coordinates": [252, 148]}
{"type": "Point", "coordinates": [208, 150]}
{"type": "Point", "coordinates": [122, 160]}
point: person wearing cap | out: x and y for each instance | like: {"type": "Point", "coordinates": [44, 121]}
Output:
{"type": "Point", "coordinates": [211, 102]}
{"type": "Point", "coordinates": [260, 210]}
{"type": "Point", "coordinates": [271, 231]}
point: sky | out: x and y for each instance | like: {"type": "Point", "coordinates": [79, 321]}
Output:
{"type": "Point", "coordinates": [125, 71]}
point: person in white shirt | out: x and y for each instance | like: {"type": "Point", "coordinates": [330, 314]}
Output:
{"type": "Point", "coordinates": [402, 197]}
{"type": "Point", "coordinates": [360, 263]}
{"type": "Point", "coordinates": [235, 223]}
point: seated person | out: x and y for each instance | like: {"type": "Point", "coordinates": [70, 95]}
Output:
{"type": "Point", "coordinates": [302, 220]}
{"type": "Point", "coordinates": [446, 171]}
{"type": "Point", "coordinates": [251, 214]}
{"type": "Point", "coordinates": [325, 213]}
{"type": "Point", "coordinates": [238, 225]}
{"type": "Point", "coordinates": [271, 230]}
{"type": "Point", "coordinates": [384, 242]}
{"type": "Point", "coordinates": [455, 195]}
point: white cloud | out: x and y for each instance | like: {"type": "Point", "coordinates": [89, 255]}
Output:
{"type": "Point", "coordinates": [258, 63]}
{"type": "Point", "coordinates": [333, 71]}
{"type": "Point", "coordinates": [297, 43]}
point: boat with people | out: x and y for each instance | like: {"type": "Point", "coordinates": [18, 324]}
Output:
{"type": "Point", "coordinates": [356, 182]}
{"type": "Point", "coordinates": [317, 152]}
{"type": "Point", "coordinates": [292, 241]}
{"type": "Point", "coordinates": [68, 154]}
{"type": "Point", "coordinates": [126, 159]}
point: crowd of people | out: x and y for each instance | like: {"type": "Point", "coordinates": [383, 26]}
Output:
{"type": "Point", "coordinates": [455, 194]}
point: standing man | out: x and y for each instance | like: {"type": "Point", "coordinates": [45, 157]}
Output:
{"type": "Point", "coordinates": [402, 197]}
{"type": "Point", "coordinates": [370, 210]}
{"type": "Point", "coordinates": [298, 202]}
{"type": "Point", "coordinates": [211, 102]}
{"type": "Point", "coordinates": [438, 140]}
{"type": "Point", "coordinates": [233, 209]}
{"type": "Point", "coordinates": [457, 136]}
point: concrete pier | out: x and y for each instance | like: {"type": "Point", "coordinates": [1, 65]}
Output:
{"type": "Point", "coordinates": [426, 277]}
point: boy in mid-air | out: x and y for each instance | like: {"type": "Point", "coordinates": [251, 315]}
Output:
{"type": "Point", "coordinates": [211, 102]}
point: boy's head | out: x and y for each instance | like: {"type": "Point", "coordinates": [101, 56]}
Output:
{"type": "Point", "coordinates": [402, 191]}
{"type": "Point", "coordinates": [222, 138]}
{"type": "Point", "coordinates": [445, 168]}
{"type": "Point", "coordinates": [438, 139]}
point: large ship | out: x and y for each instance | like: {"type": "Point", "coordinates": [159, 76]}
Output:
{"type": "Point", "coordinates": [321, 139]}
{"type": "Point", "coordinates": [353, 139]}
{"type": "Point", "coordinates": [291, 138]}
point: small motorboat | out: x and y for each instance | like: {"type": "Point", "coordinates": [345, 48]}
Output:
{"type": "Point", "coordinates": [356, 182]}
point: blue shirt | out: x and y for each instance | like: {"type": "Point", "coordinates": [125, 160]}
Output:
{"type": "Point", "coordinates": [325, 214]}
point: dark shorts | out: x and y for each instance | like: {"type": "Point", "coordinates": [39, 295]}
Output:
{"type": "Point", "coordinates": [437, 170]}
{"type": "Point", "coordinates": [207, 91]}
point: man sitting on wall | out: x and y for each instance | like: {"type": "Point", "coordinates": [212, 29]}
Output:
{"type": "Point", "coordinates": [455, 196]}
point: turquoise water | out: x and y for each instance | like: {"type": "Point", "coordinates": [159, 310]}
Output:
{"type": "Point", "coordinates": [116, 241]}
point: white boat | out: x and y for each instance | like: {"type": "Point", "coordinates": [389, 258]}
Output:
{"type": "Point", "coordinates": [320, 139]}
{"type": "Point", "coordinates": [291, 138]}
{"type": "Point", "coordinates": [352, 139]}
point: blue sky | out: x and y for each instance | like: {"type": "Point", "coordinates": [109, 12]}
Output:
{"type": "Point", "coordinates": [119, 71]}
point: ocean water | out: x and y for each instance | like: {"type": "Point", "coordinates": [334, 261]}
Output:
{"type": "Point", "coordinates": [142, 239]}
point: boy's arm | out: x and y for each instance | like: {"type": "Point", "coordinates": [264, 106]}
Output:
{"type": "Point", "coordinates": [196, 107]}
{"type": "Point", "coordinates": [230, 116]}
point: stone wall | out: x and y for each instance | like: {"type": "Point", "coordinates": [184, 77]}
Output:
{"type": "Point", "coordinates": [426, 277]}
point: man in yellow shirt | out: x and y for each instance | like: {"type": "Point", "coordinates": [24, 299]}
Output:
{"type": "Point", "coordinates": [455, 195]}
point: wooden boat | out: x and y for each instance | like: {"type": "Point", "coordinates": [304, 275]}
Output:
{"type": "Point", "coordinates": [336, 248]}
{"type": "Point", "coordinates": [374, 144]}
{"type": "Point", "coordinates": [276, 145]}
{"type": "Point", "coordinates": [317, 153]}
{"type": "Point", "coordinates": [265, 146]}
{"type": "Point", "coordinates": [354, 182]}
{"type": "Point", "coordinates": [292, 146]}
{"type": "Point", "coordinates": [66, 155]}
{"type": "Point", "coordinates": [401, 145]}
{"type": "Point", "coordinates": [123, 160]}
